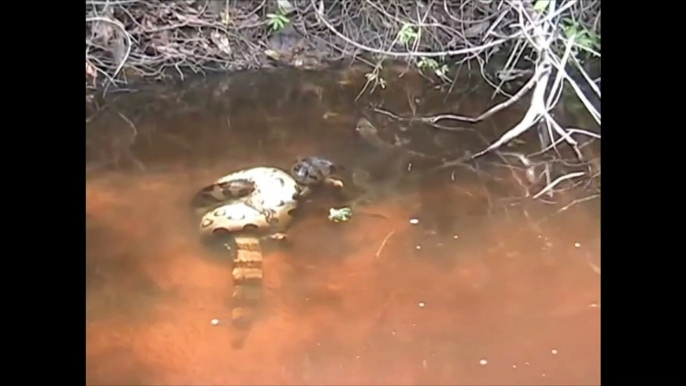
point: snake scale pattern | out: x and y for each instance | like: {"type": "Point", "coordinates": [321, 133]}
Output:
{"type": "Point", "coordinates": [248, 205]}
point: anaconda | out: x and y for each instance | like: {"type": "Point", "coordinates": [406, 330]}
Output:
{"type": "Point", "coordinates": [248, 205]}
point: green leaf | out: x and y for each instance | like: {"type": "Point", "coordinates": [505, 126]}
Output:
{"type": "Point", "coordinates": [541, 5]}
{"type": "Point", "coordinates": [428, 63]}
{"type": "Point", "coordinates": [407, 33]}
{"type": "Point", "coordinates": [340, 215]}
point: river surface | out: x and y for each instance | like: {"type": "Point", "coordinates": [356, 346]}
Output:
{"type": "Point", "coordinates": [483, 287]}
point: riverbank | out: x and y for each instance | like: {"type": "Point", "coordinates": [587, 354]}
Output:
{"type": "Point", "coordinates": [131, 41]}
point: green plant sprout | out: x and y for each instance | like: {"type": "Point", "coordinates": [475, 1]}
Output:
{"type": "Point", "coordinates": [583, 38]}
{"type": "Point", "coordinates": [541, 5]}
{"type": "Point", "coordinates": [407, 33]}
{"type": "Point", "coordinates": [427, 63]}
{"type": "Point", "coordinates": [277, 21]}
{"type": "Point", "coordinates": [440, 70]}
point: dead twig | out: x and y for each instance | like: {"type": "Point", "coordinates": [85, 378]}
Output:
{"type": "Point", "coordinates": [556, 182]}
{"type": "Point", "coordinates": [383, 243]}
{"type": "Point", "coordinates": [122, 29]}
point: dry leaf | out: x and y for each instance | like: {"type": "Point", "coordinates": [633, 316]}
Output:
{"type": "Point", "coordinates": [188, 18]}
{"type": "Point", "coordinates": [273, 54]}
{"type": "Point", "coordinates": [226, 17]}
{"type": "Point", "coordinates": [285, 6]}
{"type": "Point", "coordinates": [477, 29]}
{"type": "Point", "coordinates": [165, 37]}
{"type": "Point", "coordinates": [103, 32]}
{"type": "Point", "coordinates": [91, 71]}
{"type": "Point", "coordinates": [119, 49]}
{"type": "Point", "coordinates": [221, 41]}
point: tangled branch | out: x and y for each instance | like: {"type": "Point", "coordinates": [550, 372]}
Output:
{"type": "Point", "coordinates": [202, 35]}
{"type": "Point", "coordinates": [540, 32]}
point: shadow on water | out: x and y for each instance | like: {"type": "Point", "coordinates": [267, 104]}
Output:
{"type": "Point", "coordinates": [479, 291]}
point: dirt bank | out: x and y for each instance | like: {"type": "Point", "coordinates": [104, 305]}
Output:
{"type": "Point", "coordinates": [130, 40]}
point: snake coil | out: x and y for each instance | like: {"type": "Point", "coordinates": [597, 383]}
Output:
{"type": "Point", "coordinates": [247, 205]}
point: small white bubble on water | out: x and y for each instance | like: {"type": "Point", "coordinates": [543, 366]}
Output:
{"type": "Point", "coordinates": [215, 322]}
{"type": "Point", "coordinates": [483, 362]}
{"type": "Point", "coordinates": [514, 366]}
{"type": "Point", "coordinates": [418, 247]}
{"type": "Point", "coordinates": [455, 236]}
{"type": "Point", "coordinates": [553, 351]}
{"type": "Point", "coordinates": [421, 304]}
{"type": "Point", "coordinates": [593, 305]}
{"type": "Point", "coordinates": [392, 332]}
{"type": "Point", "coordinates": [577, 245]}
{"type": "Point", "coordinates": [526, 363]}
{"type": "Point", "coordinates": [414, 221]}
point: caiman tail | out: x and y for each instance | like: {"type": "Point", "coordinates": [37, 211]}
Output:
{"type": "Point", "coordinates": [247, 205]}
{"type": "Point", "coordinates": [248, 287]}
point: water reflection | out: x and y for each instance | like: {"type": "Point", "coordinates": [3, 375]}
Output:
{"type": "Point", "coordinates": [477, 290]}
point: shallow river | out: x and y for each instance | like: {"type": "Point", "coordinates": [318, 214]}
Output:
{"type": "Point", "coordinates": [483, 287]}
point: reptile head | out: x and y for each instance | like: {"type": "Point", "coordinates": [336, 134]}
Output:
{"type": "Point", "coordinates": [313, 170]}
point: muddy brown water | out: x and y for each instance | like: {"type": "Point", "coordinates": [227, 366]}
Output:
{"type": "Point", "coordinates": [478, 292]}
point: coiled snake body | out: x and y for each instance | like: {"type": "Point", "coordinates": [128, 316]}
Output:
{"type": "Point", "coordinates": [248, 205]}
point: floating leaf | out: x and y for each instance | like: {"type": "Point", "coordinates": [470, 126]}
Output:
{"type": "Point", "coordinates": [340, 215]}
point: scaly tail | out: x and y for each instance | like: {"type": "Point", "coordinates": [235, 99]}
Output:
{"type": "Point", "coordinates": [248, 290]}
